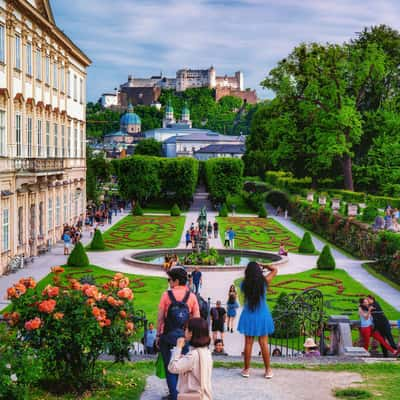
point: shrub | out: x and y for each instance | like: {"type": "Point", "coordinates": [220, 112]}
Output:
{"type": "Point", "coordinates": [262, 212]}
{"type": "Point", "coordinates": [78, 256]}
{"type": "Point", "coordinates": [306, 245]}
{"type": "Point", "coordinates": [90, 279]}
{"type": "Point", "coordinates": [175, 211]}
{"type": "Point", "coordinates": [223, 212]}
{"type": "Point", "coordinates": [369, 214]}
{"type": "Point", "coordinates": [70, 327]}
{"type": "Point", "coordinates": [278, 198]}
{"type": "Point", "coordinates": [286, 320]}
{"type": "Point", "coordinates": [137, 210]}
{"type": "Point", "coordinates": [325, 260]}
{"type": "Point", "coordinates": [97, 242]}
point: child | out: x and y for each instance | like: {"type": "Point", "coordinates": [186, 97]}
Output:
{"type": "Point", "coordinates": [311, 348]}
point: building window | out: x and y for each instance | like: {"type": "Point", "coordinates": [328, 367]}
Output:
{"type": "Point", "coordinates": [20, 226]}
{"type": "Point", "coordinates": [69, 84]}
{"type": "Point", "coordinates": [69, 142]}
{"type": "Point", "coordinates": [55, 140]}
{"type": "Point", "coordinates": [55, 75]}
{"type": "Point", "coordinates": [81, 91]}
{"type": "Point", "coordinates": [76, 142]}
{"type": "Point", "coordinates": [38, 64]}
{"type": "Point", "coordinates": [18, 52]}
{"type": "Point", "coordinates": [18, 135]}
{"type": "Point", "coordinates": [29, 59]}
{"type": "Point", "coordinates": [41, 219]}
{"type": "Point", "coordinates": [2, 44]}
{"type": "Point", "coordinates": [5, 230]}
{"type": "Point", "coordinates": [82, 145]}
{"type": "Point", "coordinates": [39, 137]}
{"type": "Point", "coordinates": [65, 208]}
{"type": "Point", "coordinates": [58, 209]}
{"type": "Point", "coordinates": [3, 136]}
{"type": "Point", "coordinates": [63, 141]}
{"type": "Point", "coordinates": [50, 215]}
{"type": "Point", "coordinates": [29, 135]}
{"type": "Point", "coordinates": [75, 88]}
{"type": "Point", "coordinates": [47, 70]}
{"type": "Point", "coordinates": [62, 83]}
{"type": "Point", "coordinates": [47, 138]}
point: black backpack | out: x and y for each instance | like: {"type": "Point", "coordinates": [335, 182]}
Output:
{"type": "Point", "coordinates": [203, 307]}
{"type": "Point", "coordinates": [178, 313]}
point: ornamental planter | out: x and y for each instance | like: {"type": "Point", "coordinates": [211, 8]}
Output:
{"type": "Point", "coordinates": [335, 204]}
{"type": "Point", "coordinates": [322, 200]}
{"type": "Point", "coordinates": [352, 210]}
{"type": "Point", "coordinates": [310, 197]}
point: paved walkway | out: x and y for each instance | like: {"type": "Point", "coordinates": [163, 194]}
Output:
{"type": "Point", "coordinates": [42, 264]}
{"type": "Point", "coordinates": [285, 385]}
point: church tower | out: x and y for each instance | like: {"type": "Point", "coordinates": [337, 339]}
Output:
{"type": "Point", "coordinates": [186, 116]}
{"type": "Point", "coordinates": [169, 116]}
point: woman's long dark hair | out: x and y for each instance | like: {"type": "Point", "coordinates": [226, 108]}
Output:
{"type": "Point", "coordinates": [253, 285]}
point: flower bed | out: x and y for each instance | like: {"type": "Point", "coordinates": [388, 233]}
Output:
{"type": "Point", "coordinates": [259, 234]}
{"type": "Point", "coordinates": [142, 232]}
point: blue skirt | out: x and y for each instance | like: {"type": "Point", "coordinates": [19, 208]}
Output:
{"type": "Point", "coordinates": [256, 323]}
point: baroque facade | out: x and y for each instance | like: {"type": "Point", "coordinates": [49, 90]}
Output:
{"type": "Point", "coordinates": [42, 129]}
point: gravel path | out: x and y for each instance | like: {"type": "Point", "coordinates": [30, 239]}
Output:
{"type": "Point", "coordinates": [286, 384]}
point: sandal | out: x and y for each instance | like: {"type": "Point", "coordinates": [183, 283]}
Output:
{"type": "Point", "coordinates": [245, 373]}
{"type": "Point", "coordinates": [269, 375]}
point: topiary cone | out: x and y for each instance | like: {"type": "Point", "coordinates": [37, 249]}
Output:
{"type": "Point", "coordinates": [78, 256]}
{"type": "Point", "coordinates": [306, 245]}
{"type": "Point", "coordinates": [97, 242]}
{"type": "Point", "coordinates": [325, 260]}
{"type": "Point", "coordinates": [175, 211]}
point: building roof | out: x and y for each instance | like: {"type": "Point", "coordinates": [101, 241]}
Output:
{"type": "Point", "coordinates": [119, 133]}
{"type": "Point", "coordinates": [207, 136]}
{"type": "Point", "coordinates": [130, 118]}
{"type": "Point", "coordinates": [223, 149]}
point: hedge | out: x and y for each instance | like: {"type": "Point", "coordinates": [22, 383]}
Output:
{"type": "Point", "coordinates": [223, 176]}
{"type": "Point", "coordinates": [325, 260]}
{"type": "Point", "coordinates": [277, 198]}
{"type": "Point", "coordinates": [137, 210]}
{"type": "Point", "coordinates": [175, 211]}
{"type": "Point", "coordinates": [284, 180]}
{"type": "Point", "coordinates": [78, 257]}
{"type": "Point", "coordinates": [306, 245]}
{"type": "Point", "coordinates": [97, 242]}
{"type": "Point", "coordinates": [223, 212]}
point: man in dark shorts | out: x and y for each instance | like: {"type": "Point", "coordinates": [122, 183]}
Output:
{"type": "Point", "coordinates": [218, 317]}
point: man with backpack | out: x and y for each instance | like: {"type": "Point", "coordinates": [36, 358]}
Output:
{"type": "Point", "coordinates": [218, 317]}
{"type": "Point", "coordinates": [177, 306]}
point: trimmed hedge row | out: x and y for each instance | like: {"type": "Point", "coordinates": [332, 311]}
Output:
{"type": "Point", "coordinates": [223, 176]}
{"type": "Point", "coordinates": [145, 178]}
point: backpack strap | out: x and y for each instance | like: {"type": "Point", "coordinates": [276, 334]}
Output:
{"type": "Point", "coordinates": [171, 297]}
{"type": "Point", "coordinates": [186, 298]}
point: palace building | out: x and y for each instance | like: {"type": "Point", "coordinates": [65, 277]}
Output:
{"type": "Point", "coordinates": [42, 129]}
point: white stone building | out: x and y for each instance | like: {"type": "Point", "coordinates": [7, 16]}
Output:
{"type": "Point", "coordinates": [42, 129]}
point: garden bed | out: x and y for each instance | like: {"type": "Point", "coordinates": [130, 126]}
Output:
{"type": "Point", "coordinates": [141, 232]}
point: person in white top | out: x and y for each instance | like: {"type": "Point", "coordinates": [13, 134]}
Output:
{"type": "Point", "coordinates": [194, 368]}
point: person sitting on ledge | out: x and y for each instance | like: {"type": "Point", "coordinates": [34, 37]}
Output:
{"type": "Point", "coordinates": [276, 352]}
{"type": "Point", "coordinates": [311, 348]}
{"type": "Point", "coordinates": [219, 348]}
{"type": "Point", "coordinates": [282, 251]}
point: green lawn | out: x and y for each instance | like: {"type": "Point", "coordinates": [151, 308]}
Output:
{"type": "Point", "coordinates": [259, 233]}
{"type": "Point", "coordinates": [146, 232]}
{"type": "Point", "coordinates": [147, 290]}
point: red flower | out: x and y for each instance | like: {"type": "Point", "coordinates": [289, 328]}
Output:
{"type": "Point", "coordinates": [125, 293]}
{"type": "Point", "coordinates": [123, 283]}
{"type": "Point", "coordinates": [47, 306]}
{"type": "Point", "coordinates": [33, 324]}
{"type": "Point", "coordinates": [58, 315]}
{"type": "Point", "coordinates": [51, 291]}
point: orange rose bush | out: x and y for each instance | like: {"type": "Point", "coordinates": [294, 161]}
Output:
{"type": "Point", "coordinates": [70, 326]}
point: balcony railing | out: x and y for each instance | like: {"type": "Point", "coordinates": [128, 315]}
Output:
{"type": "Point", "coordinates": [39, 164]}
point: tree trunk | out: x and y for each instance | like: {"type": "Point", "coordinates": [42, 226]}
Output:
{"type": "Point", "coordinates": [348, 173]}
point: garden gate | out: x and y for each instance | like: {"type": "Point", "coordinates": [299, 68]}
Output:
{"type": "Point", "coordinates": [297, 316]}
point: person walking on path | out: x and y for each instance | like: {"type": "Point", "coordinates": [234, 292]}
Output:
{"type": "Point", "coordinates": [366, 327]}
{"type": "Point", "coordinates": [231, 310]}
{"type": "Point", "coordinates": [218, 318]}
{"type": "Point", "coordinates": [177, 306]}
{"type": "Point", "coordinates": [194, 368]}
{"type": "Point", "coordinates": [255, 319]}
{"type": "Point", "coordinates": [67, 242]}
{"type": "Point", "coordinates": [209, 229]}
{"type": "Point", "coordinates": [215, 226]}
{"type": "Point", "coordinates": [381, 323]}
{"type": "Point", "coordinates": [150, 338]}
{"type": "Point", "coordinates": [197, 277]}
{"type": "Point", "coordinates": [232, 235]}
{"type": "Point", "coordinates": [188, 238]}
{"type": "Point", "coordinates": [226, 236]}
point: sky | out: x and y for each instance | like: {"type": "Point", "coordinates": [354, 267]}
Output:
{"type": "Point", "coordinates": [144, 37]}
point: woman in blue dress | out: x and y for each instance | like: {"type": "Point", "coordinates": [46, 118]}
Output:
{"type": "Point", "coordinates": [255, 319]}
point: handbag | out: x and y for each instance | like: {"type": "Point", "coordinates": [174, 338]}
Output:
{"type": "Point", "coordinates": [160, 367]}
{"type": "Point", "coordinates": [195, 395]}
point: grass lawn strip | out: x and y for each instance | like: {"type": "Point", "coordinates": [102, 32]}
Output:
{"type": "Point", "coordinates": [259, 233]}
{"type": "Point", "coordinates": [141, 232]}
{"type": "Point", "coordinates": [380, 379]}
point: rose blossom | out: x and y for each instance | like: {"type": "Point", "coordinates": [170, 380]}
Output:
{"type": "Point", "coordinates": [33, 324]}
{"type": "Point", "coordinates": [47, 306]}
{"type": "Point", "coordinates": [125, 293]}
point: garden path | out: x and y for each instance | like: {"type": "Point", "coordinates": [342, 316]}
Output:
{"type": "Point", "coordinates": [286, 385]}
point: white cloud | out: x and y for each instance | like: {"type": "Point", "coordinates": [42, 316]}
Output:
{"type": "Point", "coordinates": [145, 36]}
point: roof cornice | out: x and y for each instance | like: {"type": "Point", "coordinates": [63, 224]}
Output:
{"type": "Point", "coordinates": [50, 27]}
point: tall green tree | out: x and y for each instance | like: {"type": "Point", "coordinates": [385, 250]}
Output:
{"type": "Point", "coordinates": [327, 85]}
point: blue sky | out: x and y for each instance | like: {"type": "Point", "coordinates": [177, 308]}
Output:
{"type": "Point", "coordinates": [144, 37]}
